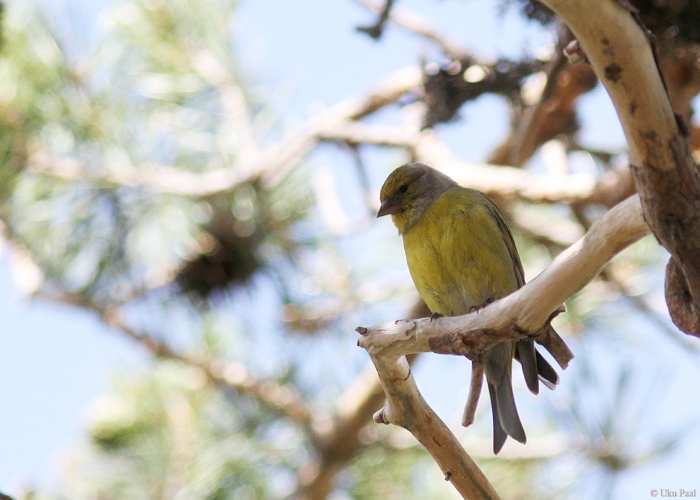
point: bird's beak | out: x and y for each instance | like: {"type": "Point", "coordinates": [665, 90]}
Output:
{"type": "Point", "coordinates": [389, 206]}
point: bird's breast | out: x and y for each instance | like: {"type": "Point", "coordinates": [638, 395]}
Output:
{"type": "Point", "coordinates": [458, 259]}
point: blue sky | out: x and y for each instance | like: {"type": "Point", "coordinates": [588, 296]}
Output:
{"type": "Point", "coordinates": [54, 360]}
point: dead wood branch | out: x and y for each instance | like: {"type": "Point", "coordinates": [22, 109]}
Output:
{"type": "Point", "coordinates": [525, 313]}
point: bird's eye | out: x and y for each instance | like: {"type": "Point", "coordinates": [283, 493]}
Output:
{"type": "Point", "coordinates": [404, 188]}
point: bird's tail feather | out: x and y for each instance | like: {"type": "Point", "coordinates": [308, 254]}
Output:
{"type": "Point", "coordinates": [527, 355]}
{"type": "Point", "coordinates": [505, 414]}
{"type": "Point", "coordinates": [535, 367]}
{"type": "Point", "coordinates": [547, 374]}
{"type": "Point", "coordinates": [499, 435]}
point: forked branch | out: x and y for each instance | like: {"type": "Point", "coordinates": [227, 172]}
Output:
{"type": "Point", "coordinates": [525, 313]}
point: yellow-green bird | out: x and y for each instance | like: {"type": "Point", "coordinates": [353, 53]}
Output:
{"type": "Point", "coordinates": [462, 256]}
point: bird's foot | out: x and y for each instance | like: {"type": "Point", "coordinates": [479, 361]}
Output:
{"type": "Point", "coordinates": [478, 308]}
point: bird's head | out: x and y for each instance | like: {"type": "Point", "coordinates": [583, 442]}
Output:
{"type": "Point", "coordinates": [408, 191]}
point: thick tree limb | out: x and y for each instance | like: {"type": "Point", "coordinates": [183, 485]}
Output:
{"type": "Point", "coordinates": [667, 178]}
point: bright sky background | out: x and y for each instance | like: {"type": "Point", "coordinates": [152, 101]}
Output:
{"type": "Point", "coordinates": [55, 360]}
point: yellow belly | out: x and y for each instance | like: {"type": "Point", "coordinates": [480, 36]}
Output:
{"type": "Point", "coordinates": [458, 254]}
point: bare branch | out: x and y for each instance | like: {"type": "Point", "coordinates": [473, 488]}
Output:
{"type": "Point", "coordinates": [407, 408]}
{"type": "Point", "coordinates": [376, 30]}
{"type": "Point", "coordinates": [526, 131]}
{"type": "Point", "coordinates": [354, 132]}
{"type": "Point", "coordinates": [515, 182]}
{"type": "Point", "coordinates": [415, 23]}
{"type": "Point", "coordinates": [523, 314]}
{"type": "Point", "coordinates": [426, 146]}
{"type": "Point", "coordinates": [530, 307]}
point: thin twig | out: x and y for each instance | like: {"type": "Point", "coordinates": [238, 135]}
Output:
{"type": "Point", "coordinates": [376, 30]}
{"type": "Point", "coordinates": [417, 24]}
{"type": "Point", "coordinates": [341, 441]}
{"type": "Point", "coordinates": [407, 408]}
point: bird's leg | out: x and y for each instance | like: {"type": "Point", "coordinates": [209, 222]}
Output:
{"type": "Point", "coordinates": [436, 316]}
{"type": "Point", "coordinates": [474, 391]}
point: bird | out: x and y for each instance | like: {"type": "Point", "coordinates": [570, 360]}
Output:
{"type": "Point", "coordinates": [461, 256]}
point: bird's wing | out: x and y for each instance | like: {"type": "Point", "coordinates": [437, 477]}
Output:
{"type": "Point", "coordinates": [535, 367]}
{"type": "Point", "coordinates": [508, 240]}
